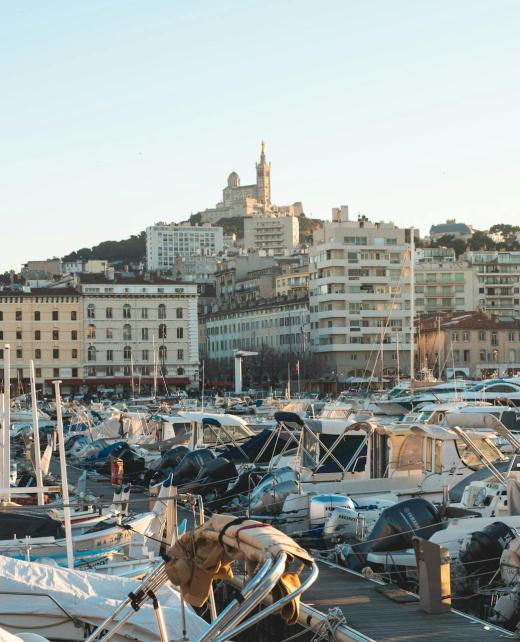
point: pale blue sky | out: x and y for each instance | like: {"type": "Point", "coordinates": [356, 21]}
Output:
{"type": "Point", "coordinates": [114, 115]}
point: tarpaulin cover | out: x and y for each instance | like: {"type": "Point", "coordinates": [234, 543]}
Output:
{"type": "Point", "coordinates": [91, 597]}
{"type": "Point", "coordinates": [21, 524]}
{"type": "Point", "coordinates": [205, 554]}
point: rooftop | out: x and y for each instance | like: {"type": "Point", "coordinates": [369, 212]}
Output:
{"type": "Point", "coordinates": [466, 321]}
{"type": "Point", "coordinates": [450, 228]}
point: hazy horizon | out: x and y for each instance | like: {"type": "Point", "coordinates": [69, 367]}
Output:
{"type": "Point", "coordinates": [117, 115]}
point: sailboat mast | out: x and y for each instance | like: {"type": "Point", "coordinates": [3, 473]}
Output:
{"type": "Point", "coordinates": [412, 305]}
{"type": "Point", "coordinates": [36, 436]}
{"type": "Point", "coordinates": [6, 426]}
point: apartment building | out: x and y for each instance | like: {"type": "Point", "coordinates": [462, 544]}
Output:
{"type": "Point", "coordinates": [360, 296]}
{"type": "Point", "coordinates": [497, 281]}
{"type": "Point", "coordinates": [472, 344]}
{"type": "Point", "coordinates": [275, 235]}
{"type": "Point", "coordinates": [277, 324]}
{"type": "Point", "coordinates": [166, 242]}
{"type": "Point", "coordinates": [293, 282]}
{"type": "Point", "coordinates": [135, 329]}
{"type": "Point", "coordinates": [444, 287]}
{"type": "Point", "coordinates": [45, 325]}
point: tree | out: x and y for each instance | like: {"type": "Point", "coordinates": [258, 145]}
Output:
{"type": "Point", "coordinates": [481, 241]}
{"type": "Point", "coordinates": [448, 240]}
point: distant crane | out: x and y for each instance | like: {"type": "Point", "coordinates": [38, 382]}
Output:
{"type": "Point", "coordinates": [239, 355]}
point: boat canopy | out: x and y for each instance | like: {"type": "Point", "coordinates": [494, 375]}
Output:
{"type": "Point", "coordinates": [214, 419]}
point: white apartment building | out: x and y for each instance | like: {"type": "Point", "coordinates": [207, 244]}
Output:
{"type": "Point", "coordinates": [134, 328]}
{"type": "Point", "coordinates": [166, 242]}
{"type": "Point", "coordinates": [444, 287]}
{"type": "Point", "coordinates": [359, 297]}
{"type": "Point", "coordinates": [497, 281]}
{"type": "Point", "coordinates": [282, 326]}
{"type": "Point", "coordinates": [275, 235]}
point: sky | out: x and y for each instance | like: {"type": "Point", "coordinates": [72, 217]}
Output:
{"type": "Point", "coordinates": [116, 115]}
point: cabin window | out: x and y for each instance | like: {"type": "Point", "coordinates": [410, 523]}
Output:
{"type": "Point", "coordinates": [410, 454]}
{"type": "Point", "coordinates": [429, 455]}
{"type": "Point", "coordinates": [438, 456]}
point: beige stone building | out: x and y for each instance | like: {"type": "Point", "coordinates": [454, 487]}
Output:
{"type": "Point", "coordinates": [293, 282]}
{"type": "Point", "coordinates": [472, 344]}
{"type": "Point", "coordinates": [45, 325]}
{"type": "Point", "coordinates": [249, 200]}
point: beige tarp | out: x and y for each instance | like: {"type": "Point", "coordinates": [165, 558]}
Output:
{"type": "Point", "coordinates": [199, 557]}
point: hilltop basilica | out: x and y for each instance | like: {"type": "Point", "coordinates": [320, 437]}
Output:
{"type": "Point", "coordinates": [249, 200]}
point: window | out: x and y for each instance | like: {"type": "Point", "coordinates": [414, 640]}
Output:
{"type": "Point", "coordinates": [56, 372]}
{"type": "Point", "coordinates": [178, 313]}
{"type": "Point", "coordinates": [38, 373]}
{"type": "Point", "coordinates": [74, 335]}
{"type": "Point", "coordinates": [1, 315]}
{"type": "Point", "coordinates": [1, 334]}
{"type": "Point", "coordinates": [91, 353]}
{"type": "Point", "coordinates": [74, 353]}
{"type": "Point", "coordinates": [55, 335]}
{"type": "Point", "coordinates": [1, 353]}
{"type": "Point", "coordinates": [180, 355]}
{"type": "Point", "coordinates": [91, 331]}
{"type": "Point", "coordinates": [37, 315]}
{"type": "Point", "coordinates": [37, 353]}
{"type": "Point", "coordinates": [74, 372]}
{"type": "Point", "coordinates": [55, 353]}
{"type": "Point", "coordinates": [162, 331]}
{"type": "Point", "coordinates": [163, 353]}
{"type": "Point", "coordinates": [110, 371]}
{"type": "Point", "coordinates": [482, 355]}
{"type": "Point", "coordinates": [18, 315]}
{"type": "Point", "coordinates": [144, 313]}
{"type": "Point", "coordinates": [55, 315]}
{"type": "Point", "coordinates": [454, 336]}
{"type": "Point", "coordinates": [410, 453]}
{"type": "Point", "coordinates": [144, 355]}
{"type": "Point", "coordinates": [108, 313]}
{"type": "Point", "coordinates": [162, 311]}
{"type": "Point", "coordinates": [127, 353]}
{"type": "Point", "coordinates": [180, 333]}
{"type": "Point", "coordinates": [127, 371]}
{"type": "Point", "coordinates": [482, 335]}
{"type": "Point", "coordinates": [494, 338]}
{"type": "Point", "coordinates": [73, 315]}
{"type": "Point", "coordinates": [511, 336]}
{"type": "Point", "coordinates": [180, 371]}
{"type": "Point", "coordinates": [37, 335]}
{"type": "Point", "coordinates": [126, 311]}
{"type": "Point", "coordinates": [19, 353]}
{"type": "Point", "coordinates": [429, 454]}
{"type": "Point", "coordinates": [465, 356]}
{"type": "Point", "coordinates": [465, 336]}
{"type": "Point", "coordinates": [91, 311]}
{"type": "Point", "coordinates": [110, 355]}
{"type": "Point", "coordinates": [127, 332]}
{"type": "Point", "coordinates": [144, 334]}
{"type": "Point", "coordinates": [19, 335]}
{"type": "Point", "coordinates": [109, 333]}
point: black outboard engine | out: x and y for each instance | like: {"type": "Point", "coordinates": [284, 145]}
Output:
{"type": "Point", "coordinates": [481, 552]}
{"type": "Point", "coordinates": [394, 530]}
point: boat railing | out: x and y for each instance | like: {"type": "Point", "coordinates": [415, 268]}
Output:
{"type": "Point", "coordinates": [77, 622]}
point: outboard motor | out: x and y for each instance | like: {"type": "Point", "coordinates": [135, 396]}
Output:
{"type": "Point", "coordinates": [394, 530]}
{"type": "Point", "coordinates": [268, 497]}
{"type": "Point", "coordinates": [321, 507]}
{"type": "Point", "coordinates": [481, 552]}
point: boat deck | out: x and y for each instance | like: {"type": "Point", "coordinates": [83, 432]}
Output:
{"type": "Point", "coordinates": [377, 617]}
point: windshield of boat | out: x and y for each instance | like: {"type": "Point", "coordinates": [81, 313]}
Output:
{"type": "Point", "coordinates": [470, 459]}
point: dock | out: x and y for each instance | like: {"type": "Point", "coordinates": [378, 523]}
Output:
{"type": "Point", "coordinates": [372, 616]}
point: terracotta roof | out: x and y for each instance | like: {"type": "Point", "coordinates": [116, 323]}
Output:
{"type": "Point", "coordinates": [466, 321]}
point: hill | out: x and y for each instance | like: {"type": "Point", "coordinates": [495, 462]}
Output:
{"type": "Point", "coordinates": [131, 249]}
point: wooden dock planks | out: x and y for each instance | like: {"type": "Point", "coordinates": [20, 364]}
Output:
{"type": "Point", "coordinates": [384, 620]}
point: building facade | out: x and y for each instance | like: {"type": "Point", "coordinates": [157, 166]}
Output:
{"type": "Point", "coordinates": [138, 331]}
{"type": "Point", "coordinates": [360, 297]}
{"type": "Point", "coordinates": [45, 325]}
{"type": "Point", "coordinates": [497, 281]}
{"type": "Point", "coordinates": [166, 243]}
{"type": "Point", "coordinates": [444, 287]}
{"type": "Point", "coordinates": [276, 235]}
{"type": "Point", "coordinates": [280, 325]}
{"type": "Point", "coordinates": [472, 344]}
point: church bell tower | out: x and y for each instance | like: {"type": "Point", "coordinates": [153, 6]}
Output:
{"type": "Point", "coordinates": [263, 179]}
